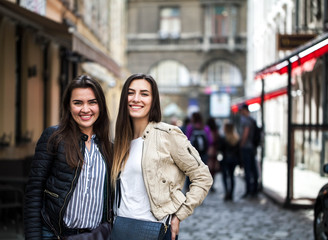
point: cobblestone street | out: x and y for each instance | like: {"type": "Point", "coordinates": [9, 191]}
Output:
{"type": "Point", "coordinates": [245, 219]}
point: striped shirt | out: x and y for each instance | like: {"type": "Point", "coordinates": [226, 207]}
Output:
{"type": "Point", "coordinates": [85, 208]}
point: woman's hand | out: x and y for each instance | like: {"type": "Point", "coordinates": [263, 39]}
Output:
{"type": "Point", "coordinates": [175, 225]}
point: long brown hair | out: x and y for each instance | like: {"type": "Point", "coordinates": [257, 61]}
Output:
{"type": "Point", "coordinates": [124, 127]}
{"type": "Point", "coordinates": [69, 131]}
{"type": "Point", "coordinates": [230, 133]}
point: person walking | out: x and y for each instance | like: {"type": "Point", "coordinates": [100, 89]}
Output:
{"type": "Point", "coordinates": [248, 152]}
{"type": "Point", "coordinates": [229, 146]}
{"type": "Point", "coordinates": [151, 160]}
{"type": "Point", "coordinates": [199, 137]}
{"type": "Point", "coordinates": [67, 191]}
{"type": "Point", "coordinates": [212, 152]}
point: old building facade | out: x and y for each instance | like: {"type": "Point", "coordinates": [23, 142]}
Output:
{"type": "Point", "coordinates": [44, 45]}
{"type": "Point", "coordinates": [196, 50]}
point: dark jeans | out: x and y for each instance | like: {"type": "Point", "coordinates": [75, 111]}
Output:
{"type": "Point", "coordinates": [228, 177]}
{"type": "Point", "coordinates": [251, 171]}
{"type": "Point", "coordinates": [47, 234]}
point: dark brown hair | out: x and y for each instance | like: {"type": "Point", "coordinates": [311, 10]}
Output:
{"type": "Point", "coordinates": [69, 131]}
{"type": "Point", "coordinates": [197, 119]}
{"type": "Point", "coordinates": [124, 128]}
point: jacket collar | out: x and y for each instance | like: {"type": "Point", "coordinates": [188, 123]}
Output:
{"type": "Point", "coordinates": [148, 129]}
{"type": "Point", "coordinates": [85, 137]}
{"type": "Point", "coordinates": [156, 125]}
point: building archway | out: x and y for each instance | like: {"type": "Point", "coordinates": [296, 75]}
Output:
{"type": "Point", "coordinates": [170, 73]}
{"type": "Point", "coordinates": [221, 73]}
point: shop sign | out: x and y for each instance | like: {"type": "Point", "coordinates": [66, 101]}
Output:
{"type": "Point", "coordinates": [292, 41]}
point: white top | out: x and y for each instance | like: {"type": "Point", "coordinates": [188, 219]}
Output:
{"type": "Point", "coordinates": [134, 197]}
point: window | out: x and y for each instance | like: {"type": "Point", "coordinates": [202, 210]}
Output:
{"type": "Point", "coordinates": [170, 24]}
{"type": "Point", "coordinates": [170, 73]}
{"type": "Point", "coordinates": [223, 23]}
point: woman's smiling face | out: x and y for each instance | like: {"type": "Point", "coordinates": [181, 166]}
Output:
{"type": "Point", "coordinates": [139, 99]}
{"type": "Point", "coordinates": [84, 108]}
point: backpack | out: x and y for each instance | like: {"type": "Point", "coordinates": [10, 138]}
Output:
{"type": "Point", "coordinates": [257, 136]}
{"type": "Point", "coordinates": [199, 140]}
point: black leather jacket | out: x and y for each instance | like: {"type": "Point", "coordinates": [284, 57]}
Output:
{"type": "Point", "coordinates": [50, 186]}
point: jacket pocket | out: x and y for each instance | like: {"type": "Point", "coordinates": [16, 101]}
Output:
{"type": "Point", "coordinates": [194, 156]}
{"type": "Point", "coordinates": [178, 198]}
{"type": "Point", "coordinates": [52, 194]}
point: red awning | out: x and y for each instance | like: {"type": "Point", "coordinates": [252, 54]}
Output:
{"type": "Point", "coordinates": [267, 96]}
{"type": "Point", "coordinates": [302, 59]}
{"type": "Point", "coordinates": [312, 50]}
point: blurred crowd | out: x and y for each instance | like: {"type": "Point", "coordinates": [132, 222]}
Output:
{"type": "Point", "coordinates": [223, 148]}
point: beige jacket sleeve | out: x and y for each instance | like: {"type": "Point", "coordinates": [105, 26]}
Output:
{"type": "Point", "coordinates": [188, 160]}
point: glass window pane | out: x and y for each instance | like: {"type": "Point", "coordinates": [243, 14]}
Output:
{"type": "Point", "coordinates": [170, 23]}
{"type": "Point", "coordinates": [220, 21]}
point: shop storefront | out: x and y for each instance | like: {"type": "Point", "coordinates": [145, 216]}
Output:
{"type": "Point", "coordinates": [293, 114]}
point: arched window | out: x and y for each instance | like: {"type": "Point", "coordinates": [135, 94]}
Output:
{"type": "Point", "coordinates": [170, 73]}
{"type": "Point", "coordinates": [222, 73]}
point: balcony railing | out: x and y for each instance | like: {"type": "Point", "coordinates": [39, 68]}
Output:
{"type": "Point", "coordinates": [154, 42]}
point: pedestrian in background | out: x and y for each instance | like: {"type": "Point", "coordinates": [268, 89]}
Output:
{"type": "Point", "coordinates": [151, 161]}
{"type": "Point", "coordinates": [248, 152]}
{"type": "Point", "coordinates": [186, 122]}
{"type": "Point", "coordinates": [229, 146]}
{"type": "Point", "coordinates": [212, 152]}
{"type": "Point", "coordinates": [70, 168]}
{"type": "Point", "coordinates": [199, 136]}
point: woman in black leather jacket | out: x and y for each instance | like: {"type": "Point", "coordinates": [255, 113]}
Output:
{"type": "Point", "coordinates": [67, 192]}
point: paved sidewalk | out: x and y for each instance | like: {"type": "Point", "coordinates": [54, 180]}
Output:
{"type": "Point", "coordinates": [245, 219]}
{"type": "Point", "coordinates": [306, 183]}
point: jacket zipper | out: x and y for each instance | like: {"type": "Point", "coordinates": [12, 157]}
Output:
{"type": "Point", "coordinates": [51, 193]}
{"type": "Point", "coordinates": [107, 185]}
{"type": "Point", "coordinates": [48, 222]}
{"type": "Point", "coordinates": [191, 153]}
{"type": "Point", "coordinates": [142, 168]}
{"type": "Point", "coordinates": [60, 212]}
{"type": "Point", "coordinates": [142, 171]}
{"type": "Point", "coordinates": [107, 200]}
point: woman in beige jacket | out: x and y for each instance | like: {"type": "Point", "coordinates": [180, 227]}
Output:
{"type": "Point", "coordinates": [152, 159]}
